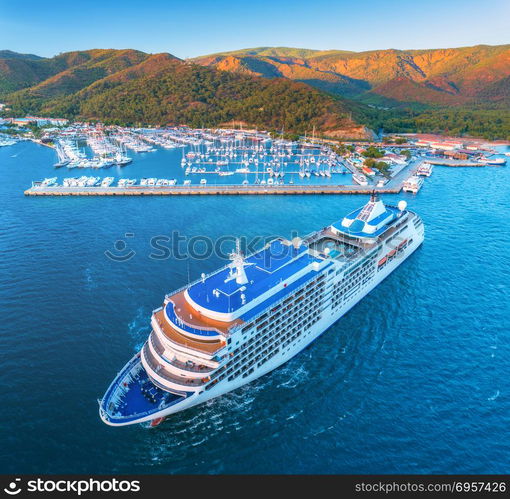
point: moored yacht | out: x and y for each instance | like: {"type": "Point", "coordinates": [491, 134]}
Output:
{"type": "Point", "coordinates": [359, 179]}
{"type": "Point", "coordinates": [424, 170]}
{"type": "Point", "coordinates": [412, 184]}
{"type": "Point", "coordinates": [493, 161]}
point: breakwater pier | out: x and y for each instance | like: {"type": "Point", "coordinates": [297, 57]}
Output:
{"type": "Point", "coordinates": [178, 190]}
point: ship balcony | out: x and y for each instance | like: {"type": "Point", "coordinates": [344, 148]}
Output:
{"type": "Point", "coordinates": [193, 331]}
{"type": "Point", "coordinates": [168, 335]}
{"type": "Point", "coordinates": [192, 323]}
{"type": "Point", "coordinates": [178, 367]}
{"type": "Point", "coordinates": [165, 379]}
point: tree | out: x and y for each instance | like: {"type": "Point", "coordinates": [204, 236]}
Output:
{"type": "Point", "coordinates": [372, 152]}
{"type": "Point", "coordinates": [383, 167]}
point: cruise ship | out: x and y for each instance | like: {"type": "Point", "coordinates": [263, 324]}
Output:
{"type": "Point", "coordinates": [230, 327]}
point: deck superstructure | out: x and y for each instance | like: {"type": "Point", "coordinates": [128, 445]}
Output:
{"type": "Point", "coordinates": [247, 318]}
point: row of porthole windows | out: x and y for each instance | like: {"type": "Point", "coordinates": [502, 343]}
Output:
{"type": "Point", "coordinates": [247, 373]}
{"type": "Point", "coordinates": [339, 300]}
{"type": "Point", "coordinates": [345, 285]}
{"type": "Point", "coordinates": [302, 307]}
{"type": "Point", "coordinates": [300, 302]}
{"type": "Point", "coordinates": [352, 293]}
{"type": "Point", "coordinates": [296, 335]}
{"type": "Point", "coordinates": [271, 351]}
{"type": "Point", "coordinates": [269, 356]}
{"type": "Point", "coordinates": [417, 222]}
{"type": "Point", "coordinates": [289, 337]}
{"type": "Point", "coordinates": [315, 284]}
{"type": "Point", "coordinates": [278, 310]}
{"type": "Point", "coordinates": [265, 346]}
{"type": "Point", "coordinates": [367, 258]}
{"type": "Point", "coordinates": [255, 347]}
{"type": "Point", "coordinates": [358, 289]}
{"type": "Point", "coordinates": [358, 269]}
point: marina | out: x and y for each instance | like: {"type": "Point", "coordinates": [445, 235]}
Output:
{"type": "Point", "coordinates": [216, 162]}
{"type": "Point", "coordinates": [238, 162]}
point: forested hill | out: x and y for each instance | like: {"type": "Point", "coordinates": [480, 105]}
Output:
{"type": "Point", "coordinates": [459, 91]}
{"type": "Point", "coordinates": [339, 93]}
{"type": "Point", "coordinates": [453, 76]}
{"type": "Point", "coordinates": [131, 87]}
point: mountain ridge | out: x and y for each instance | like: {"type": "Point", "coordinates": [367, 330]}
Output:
{"type": "Point", "coordinates": [338, 92]}
{"type": "Point", "coordinates": [451, 76]}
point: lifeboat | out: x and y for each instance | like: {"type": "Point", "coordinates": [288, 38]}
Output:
{"type": "Point", "coordinates": [382, 261]}
{"type": "Point", "coordinates": [391, 253]}
{"type": "Point", "coordinates": [402, 243]}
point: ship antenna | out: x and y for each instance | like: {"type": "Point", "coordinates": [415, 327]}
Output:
{"type": "Point", "coordinates": [237, 271]}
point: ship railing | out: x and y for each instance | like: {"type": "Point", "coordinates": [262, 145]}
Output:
{"type": "Point", "coordinates": [120, 417]}
{"type": "Point", "coordinates": [193, 329]}
{"type": "Point", "coordinates": [160, 371]}
{"type": "Point", "coordinates": [196, 281]}
{"type": "Point", "coordinates": [192, 283]}
{"type": "Point", "coordinates": [184, 344]}
{"type": "Point", "coordinates": [118, 385]}
{"type": "Point", "coordinates": [185, 366]}
{"type": "Point", "coordinates": [168, 297]}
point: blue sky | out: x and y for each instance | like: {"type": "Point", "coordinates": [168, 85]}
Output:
{"type": "Point", "coordinates": [188, 28]}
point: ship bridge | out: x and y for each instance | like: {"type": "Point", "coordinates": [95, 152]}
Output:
{"type": "Point", "coordinates": [358, 232]}
{"type": "Point", "coordinates": [370, 221]}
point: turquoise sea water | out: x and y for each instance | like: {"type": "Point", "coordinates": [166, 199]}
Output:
{"type": "Point", "coordinates": [413, 380]}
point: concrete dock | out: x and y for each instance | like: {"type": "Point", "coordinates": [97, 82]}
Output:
{"type": "Point", "coordinates": [454, 163]}
{"type": "Point", "coordinates": [393, 186]}
{"type": "Point", "coordinates": [209, 190]}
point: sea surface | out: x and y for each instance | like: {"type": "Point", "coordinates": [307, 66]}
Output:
{"type": "Point", "coordinates": [414, 379]}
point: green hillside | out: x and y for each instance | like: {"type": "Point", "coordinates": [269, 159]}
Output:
{"type": "Point", "coordinates": [130, 87]}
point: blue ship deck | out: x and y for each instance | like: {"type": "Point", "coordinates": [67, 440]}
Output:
{"type": "Point", "coordinates": [264, 270]}
{"type": "Point", "coordinates": [132, 397]}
